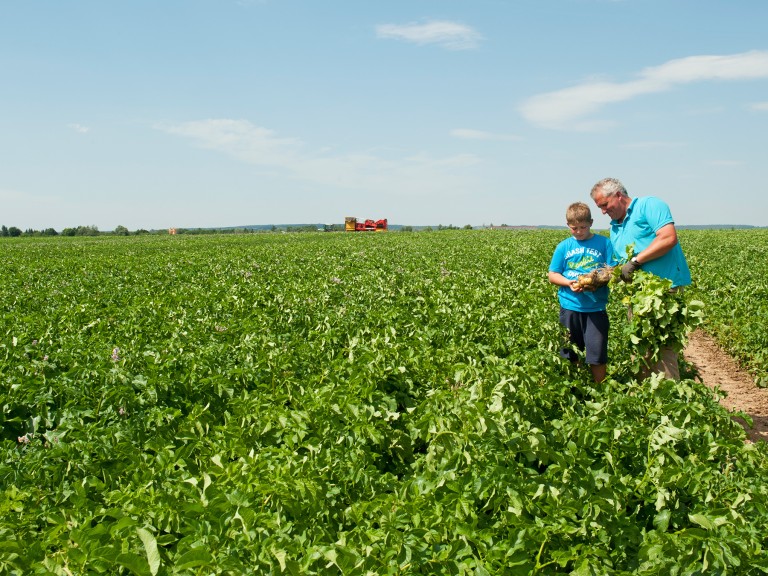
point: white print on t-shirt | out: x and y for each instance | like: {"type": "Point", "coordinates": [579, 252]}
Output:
{"type": "Point", "coordinates": [582, 250]}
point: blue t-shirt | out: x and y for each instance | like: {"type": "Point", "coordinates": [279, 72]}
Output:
{"type": "Point", "coordinates": [645, 216]}
{"type": "Point", "coordinates": [572, 258]}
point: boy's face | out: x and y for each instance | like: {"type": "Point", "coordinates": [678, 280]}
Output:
{"type": "Point", "coordinates": [580, 230]}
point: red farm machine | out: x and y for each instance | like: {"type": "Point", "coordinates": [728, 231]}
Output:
{"type": "Point", "coordinates": [351, 224]}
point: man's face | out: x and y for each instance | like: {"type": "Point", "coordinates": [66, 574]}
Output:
{"type": "Point", "coordinates": [614, 205]}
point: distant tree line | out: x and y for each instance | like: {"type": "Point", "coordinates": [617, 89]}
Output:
{"type": "Point", "coordinates": [198, 231]}
{"type": "Point", "coordinates": [13, 231]}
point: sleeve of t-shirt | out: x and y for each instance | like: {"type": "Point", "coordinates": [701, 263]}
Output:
{"type": "Point", "coordinates": [557, 264]}
{"type": "Point", "coordinates": [657, 213]}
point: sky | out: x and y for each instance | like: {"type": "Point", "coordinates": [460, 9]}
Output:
{"type": "Point", "coordinates": [152, 114]}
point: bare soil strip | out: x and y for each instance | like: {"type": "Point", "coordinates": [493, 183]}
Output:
{"type": "Point", "coordinates": [715, 368]}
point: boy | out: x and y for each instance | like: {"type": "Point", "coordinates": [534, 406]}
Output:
{"type": "Point", "coordinates": [582, 310]}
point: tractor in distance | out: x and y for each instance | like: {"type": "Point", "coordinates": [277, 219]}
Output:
{"type": "Point", "coordinates": [351, 224]}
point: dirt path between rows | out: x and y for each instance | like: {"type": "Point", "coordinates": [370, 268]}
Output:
{"type": "Point", "coordinates": [716, 369]}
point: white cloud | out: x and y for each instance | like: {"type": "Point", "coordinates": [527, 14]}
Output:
{"type": "Point", "coordinates": [242, 140]}
{"type": "Point", "coordinates": [80, 128]}
{"type": "Point", "coordinates": [7, 195]}
{"type": "Point", "coordinates": [414, 175]}
{"type": "Point", "coordinates": [651, 144]}
{"type": "Point", "coordinates": [470, 134]}
{"type": "Point", "coordinates": [567, 108]}
{"type": "Point", "coordinates": [451, 35]}
{"type": "Point", "coordinates": [706, 111]}
{"type": "Point", "coordinates": [760, 106]}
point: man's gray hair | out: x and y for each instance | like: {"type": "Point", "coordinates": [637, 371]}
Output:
{"type": "Point", "coordinates": [608, 187]}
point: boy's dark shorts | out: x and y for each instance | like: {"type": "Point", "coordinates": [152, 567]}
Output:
{"type": "Point", "coordinates": [588, 331]}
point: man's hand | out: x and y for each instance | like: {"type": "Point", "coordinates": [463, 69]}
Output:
{"type": "Point", "coordinates": [628, 270]}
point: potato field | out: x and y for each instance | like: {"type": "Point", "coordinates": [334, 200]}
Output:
{"type": "Point", "coordinates": [364, 404]}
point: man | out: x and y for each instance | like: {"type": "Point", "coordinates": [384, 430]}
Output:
{"type": "Point", "coordinates": [647, 224]}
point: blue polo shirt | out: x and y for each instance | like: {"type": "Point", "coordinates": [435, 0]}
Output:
{"type": "Point", "coordinates": [645, 216]}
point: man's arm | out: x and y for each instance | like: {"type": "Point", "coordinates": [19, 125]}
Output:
{"type": "Point", "coordinates": [666, 238]}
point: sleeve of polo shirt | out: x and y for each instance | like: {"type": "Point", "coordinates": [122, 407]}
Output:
{"type": "Point", "coordinates": [610, 255]}
{"type": "Point", "coordinates": [657, 213]}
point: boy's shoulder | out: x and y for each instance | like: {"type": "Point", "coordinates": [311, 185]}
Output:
{"type": "Point", "coordinates": [594, 239]}
{"type": "Point", "coordinates": [598, 239]}
{"type": "Point", "coordinates": [565, 242]}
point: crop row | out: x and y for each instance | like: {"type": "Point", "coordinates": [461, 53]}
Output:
{"type": "Point", "coordinates": [731, 278]}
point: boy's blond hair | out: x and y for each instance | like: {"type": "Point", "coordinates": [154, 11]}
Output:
{"type": "Point", "coordinates": [578, 213]}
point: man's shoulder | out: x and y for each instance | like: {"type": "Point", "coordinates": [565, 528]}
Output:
{"type": "Point", "coordinates": [655, 212]}
{"type": "Point", "coordinates": [649, 201]}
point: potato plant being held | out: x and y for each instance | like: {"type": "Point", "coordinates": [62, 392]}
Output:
{"type": "Point", "coordinates": [595, 278]}
{"type": "Point", "coordinates": [659, 316]}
